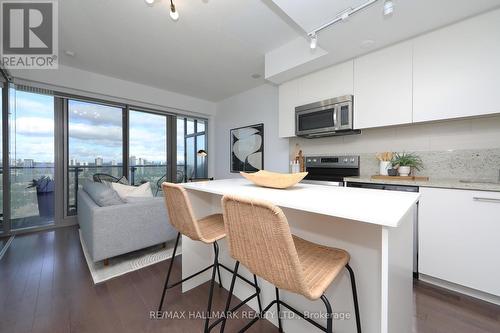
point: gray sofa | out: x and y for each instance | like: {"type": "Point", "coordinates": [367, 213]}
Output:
{"type": "Point", "coordinates": [113, 230]}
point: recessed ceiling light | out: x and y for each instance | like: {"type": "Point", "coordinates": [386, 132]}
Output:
{"type": "Point", "coordinates": [149, 2]}
{"type": "Point", "coordinates": [388, 7]}
{"type": "Point", "coordinates": [69, 53]}
{"type": "Point", "coordinates": [256, 76]}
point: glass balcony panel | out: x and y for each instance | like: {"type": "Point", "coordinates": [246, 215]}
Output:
{"type": "Point", "coordinates": [31, 156]}
{"type": "Point", "coordinates": [95, 145]}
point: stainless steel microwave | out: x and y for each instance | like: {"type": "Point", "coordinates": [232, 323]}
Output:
{"type": "Point", "coordinates": [326, 118]}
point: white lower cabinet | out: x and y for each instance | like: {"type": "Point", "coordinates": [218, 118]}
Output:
{"type": "Point", "coordinates": [459, 237]}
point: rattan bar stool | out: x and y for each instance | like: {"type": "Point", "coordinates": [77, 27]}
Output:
{"type": "Point", "coordinates": [259, 237]}
{"type": "Point", "coordinates": [207, 230]}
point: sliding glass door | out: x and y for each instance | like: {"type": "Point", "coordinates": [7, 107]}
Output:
{"type": "Point", "coordinates": [148, 149]}
{"type": "Point", "coordinates": [31, 159]}
{"type": "Point", "coordinates": [95, 146]}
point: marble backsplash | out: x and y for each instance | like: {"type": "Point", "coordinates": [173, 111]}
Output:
{"type": "Point", "coordinates": [480, 164]}
{"type": "Point", "coordinates": [449, 164]}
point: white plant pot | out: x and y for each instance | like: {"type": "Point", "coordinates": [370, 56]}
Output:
{"type": "Point", "coordinates": [404, 171]}
{"type": "Point", "coordinates": [384, 166]}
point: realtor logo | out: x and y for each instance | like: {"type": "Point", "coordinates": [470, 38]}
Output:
{"type": "Point", "coordinates": [29, 34]}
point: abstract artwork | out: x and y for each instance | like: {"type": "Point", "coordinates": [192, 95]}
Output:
{"type": "Point", "coordinates": [247, 148]}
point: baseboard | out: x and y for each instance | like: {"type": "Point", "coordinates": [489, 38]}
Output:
{"type": "Point", "coordinates": [460, 289]}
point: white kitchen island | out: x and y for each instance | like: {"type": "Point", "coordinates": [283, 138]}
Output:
{"type": "Point", "coordinates": [374, 226]}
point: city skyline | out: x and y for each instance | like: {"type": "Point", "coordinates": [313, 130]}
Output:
{"type": "Point", "coordinates": [94, 131]}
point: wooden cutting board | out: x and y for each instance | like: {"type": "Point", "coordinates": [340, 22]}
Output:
{"type": "Point", "coordinates": [408, 178]}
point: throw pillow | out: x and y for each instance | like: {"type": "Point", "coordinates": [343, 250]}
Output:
{"type": "Point", "coordinates": [101, 194]}
{"type": "Point", "coordinates": [125, 191]}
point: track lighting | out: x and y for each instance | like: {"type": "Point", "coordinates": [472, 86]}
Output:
{"type": "Point", "coordinates": [388, 7]}
{"type": "Point", "coordinates": [174, 14]}
{"type": "Point", "coordinates": [343, 16]}
{"type": "Point", "coordinates": [314, 41]}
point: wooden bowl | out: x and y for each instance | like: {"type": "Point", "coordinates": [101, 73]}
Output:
{"type": "Point", "coordinates": [274, 179]}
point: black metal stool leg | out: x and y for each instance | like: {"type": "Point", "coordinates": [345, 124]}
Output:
{"type": "Point", "coordinates": [212, 282]}
{"type": "Point", "coordinates": [169, 271]}
{"type": "Point", "coordinates": [329, 319]}
{"type": "Point", "coordinates": [355, 298]}
{"type": "Point", "coordinates": [258, 292]}
{"type": "Point", "coordinates": [280, 326]}
{"type": "Point", "coordinates": [218, 272]}
{"type": "Point", "coordinates": [228, 301]}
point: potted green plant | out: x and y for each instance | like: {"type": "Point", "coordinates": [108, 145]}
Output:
{"type": "Point", "coordinates": [405, 162]}
{"type": "Point", "coordinates": [44, 194]}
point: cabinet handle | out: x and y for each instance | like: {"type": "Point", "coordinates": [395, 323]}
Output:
{"type": "Point", "coordinates": [486, 199]}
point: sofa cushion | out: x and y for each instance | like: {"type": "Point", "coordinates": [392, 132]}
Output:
{"type": "Point", "coordinates": [102, 194]}
{"type": "Point", "coordinates": [124, 191]}
{"type": "Point", "coordinates": [137, 199]}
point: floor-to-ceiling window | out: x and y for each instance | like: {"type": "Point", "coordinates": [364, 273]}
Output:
{"type": "Point", "coordinates": [147, 149]}
{"type": "Point", "coordinates": [54, 143]}
{"type": "Point", "coordinates": [192, 147]}
{"type": "Point", "coordinates": [95, 145]}
{"type": "Point", "coordinates": [31, 159]}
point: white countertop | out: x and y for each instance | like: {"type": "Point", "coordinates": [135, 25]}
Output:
{"type": "Point", "coordinates": [432, 182]}
{"type": "Point", "coordinates": [385, 208]}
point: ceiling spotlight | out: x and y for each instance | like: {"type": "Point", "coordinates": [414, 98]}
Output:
{"type": "Point", "coordinates": [388, 7]}
{"type": "Point", "coordinates": [174, 14]}
{"type": "Point", "coordinates": [345, 14]}
{"type": "Point", "coordinates": [314, 41]}
{"type": "Point", "coordinates": [149, 2]}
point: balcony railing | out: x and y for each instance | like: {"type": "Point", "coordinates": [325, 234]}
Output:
{"type": "Point", "coordinates": [26, 209]}
{"type": "Point", "coordinates": [137, 174]}
{"type": "Point", "coordinates": [30, 207]}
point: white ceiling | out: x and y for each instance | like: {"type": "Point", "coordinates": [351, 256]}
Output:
{"type": "Point", "coordinates": [343, 41]}
{"type": "Point", "coordinates": [210, 52]}
{"type": "Point", "coordinates": [216, 45]}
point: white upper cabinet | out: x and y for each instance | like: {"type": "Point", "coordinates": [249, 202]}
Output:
{"type": "Point", "coordinates": [288, 99]}
{"type": "Point", "coordinates": [332, 82]}
{"type": "Point", "coordinates": [328, 83]}
{"type": "Point", "coordinates": [383, 87]}
{"type": "Point", "coordinates": [457, 70]}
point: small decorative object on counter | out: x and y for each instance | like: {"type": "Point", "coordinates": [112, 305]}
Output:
{"type": "Point", "coordinates": [406, 163]}
{"type": "Point", "coordinates": [392, 172]}
{"type": "Point", "coordinates": [294, 167]}
{"type": "Point", "coordinates": [300, 159]}
{"type": "Point", "coordinates": [385, 162]}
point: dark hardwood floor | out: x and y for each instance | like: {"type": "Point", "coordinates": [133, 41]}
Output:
{"type": "Point", "coordinates": [45, 286]}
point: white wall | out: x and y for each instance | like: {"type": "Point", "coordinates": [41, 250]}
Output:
{"type": "Point", "coordinates": [258, 105]}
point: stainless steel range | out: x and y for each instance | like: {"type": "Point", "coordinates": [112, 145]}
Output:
{"type": "Point", "coordinates": [330, 170]}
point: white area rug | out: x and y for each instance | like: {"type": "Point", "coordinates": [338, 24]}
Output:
{"type": "Point", "coordinates": [129, 262]}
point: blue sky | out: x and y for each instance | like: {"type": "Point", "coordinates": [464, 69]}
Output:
{"type": "Point", "coordinates": [94, 130]}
